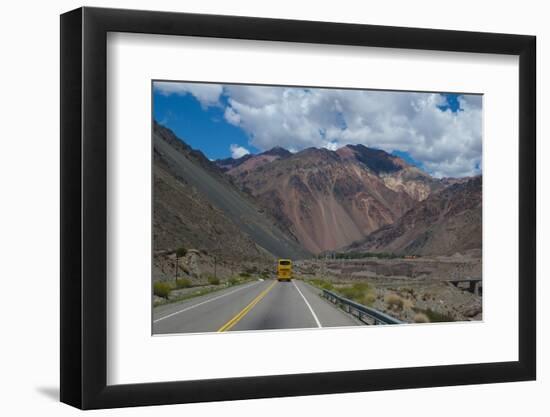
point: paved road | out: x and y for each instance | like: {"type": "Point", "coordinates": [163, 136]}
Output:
{"type": "Point", "coordinates": [259, 305]}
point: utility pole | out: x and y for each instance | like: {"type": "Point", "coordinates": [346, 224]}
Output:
{"type": "Point", "coordinates": [177, 262]}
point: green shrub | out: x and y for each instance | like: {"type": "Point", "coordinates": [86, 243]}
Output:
{"type": "Point", "coordinates": [183, 283]}
{"type": "Point", "coordinates": [244, 274]}
{"type": "Point", "coordinates": [321, 283]}
{"type": "Point", "coordinates": [361, 286]}
{"type": "Point", "coordinates": [327, 285]}
{"type": "Point", "coordinates": [181, 252]}
{"type": "Point", "coordinates": [369, 299]}
{"type": "Point", "coordinates": [234, 281]}
{"type": "Point", "coordinates": [161, 289]}
{"type": "Point", "coordinates": [352, 294]}
{"type": "Point", "coordinates": [437, 317]}
{"type": "Point", "coordinates": [213, 280]}
{"type": "Point", "coordinates": [360, 255]}
{"type": "Point", "coordinates": [356, 292]}
{"type": "Point", "coordinates": [347, 292]}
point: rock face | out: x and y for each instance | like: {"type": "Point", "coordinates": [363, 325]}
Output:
{"type": "Point", "coordinates": [447, 222]}
{"type": "Point", "coordinates": [329, 199]}
{"type": "Point", "coordinates": [396, 174]}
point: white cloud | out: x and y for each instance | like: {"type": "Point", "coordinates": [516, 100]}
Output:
{"type": "Point", "coordinates": [207, 94]}
{"type": "Point", "coordinates": [238, 151]}
{"type": "Point", "coordinates": [231, 116]}
{"type": "Point", "coordinates": [332, 146]}
{"type": "Point", "coordinates": [447, 143]}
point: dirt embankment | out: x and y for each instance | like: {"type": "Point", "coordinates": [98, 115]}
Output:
{"type": "Point", "coordinates": [199, 267]}
{"type": "Point", "coordinates": [442, 268]}
{"type": "Point", "coordinates": [432, 301]}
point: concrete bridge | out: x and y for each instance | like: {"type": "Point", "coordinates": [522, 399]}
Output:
{"type": "Point", "coordinates": [474, 285]}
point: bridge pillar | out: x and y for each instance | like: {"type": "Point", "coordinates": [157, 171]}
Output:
{"type": "Point", "coordinates": [478, 289]}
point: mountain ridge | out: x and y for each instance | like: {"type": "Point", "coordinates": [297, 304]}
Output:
{"type": "Point", "coordinates": [326, 199]}
{"type": "Point", "coordinates": [318, 200]}
{"type": "Point", "coordinates": [447, 222]}
{"type": "Point", "coordinates": [329, 199]}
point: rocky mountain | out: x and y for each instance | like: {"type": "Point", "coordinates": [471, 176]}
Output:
{"type": "Point", "coordinates": [446, 222]}
{"type": "Point", "coordinates": [250, 162]}
{"type": "Point", "coordinates": [228, 163]}
{"type": "Point", "coordinates": [197, 206]}
{"type": "Point", "coordinates": [394, 171]}
{"type": "Point", "coordinates": [283, 204]}
{"type": "Point", "coordinates": [329, 199]}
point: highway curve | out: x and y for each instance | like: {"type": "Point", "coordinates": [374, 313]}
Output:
{"type": "Point", "coordinates": [257, 305]}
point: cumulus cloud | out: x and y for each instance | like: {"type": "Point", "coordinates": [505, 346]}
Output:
{"type": "Point", "coordinates": [231, 116]}
{"type": "Point", "coordinates": [447, 143]}
{"type": "Point", "coordinates": [238, 151]}
{"type": "Point", "coordinates": [332, 146]}
{"type": "Point", "coordinates": [207, 94]}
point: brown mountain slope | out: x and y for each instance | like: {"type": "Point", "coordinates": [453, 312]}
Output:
{"type": "Point", "coordinates": [328, 199]}
{"type": "Point", "coordinates": [197, 206]}
{"type": "Point", "coordinates": [185, 218]}
{"type": "Point", "coordinates": [447, 222]}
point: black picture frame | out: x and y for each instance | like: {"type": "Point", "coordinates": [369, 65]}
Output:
{"type": "Point", "coordinates": [84, 207]}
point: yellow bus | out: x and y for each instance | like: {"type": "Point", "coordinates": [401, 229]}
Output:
{"type": "Point", "coordinates": [284, 270]}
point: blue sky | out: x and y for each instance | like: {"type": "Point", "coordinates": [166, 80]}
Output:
{"type": "Point", "coordinates": [409, 159]}
{"type": "Point", "coordinates": [440, 133]}
{"type": "Point", "coordinates": [201, 128]}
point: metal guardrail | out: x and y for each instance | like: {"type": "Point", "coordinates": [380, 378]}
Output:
{"type": "Point", "coordinates": [366, 314]}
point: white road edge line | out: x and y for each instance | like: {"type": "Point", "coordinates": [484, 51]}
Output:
{"type": "Point", "coordinates": [308, 306]}
{"type": "Point", "coordinates": [204, 302]}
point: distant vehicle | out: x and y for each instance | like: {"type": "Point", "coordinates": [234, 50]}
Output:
{"type": "Point", "coordinates": [284, 270]}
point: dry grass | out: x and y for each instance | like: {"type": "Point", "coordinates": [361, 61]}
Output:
{"type": "Point", "coordinates": [408, 304]}
{"type": "Point", "coordinates": [421, 318]}
{"type": "Point", "coordinates": [394, 301]}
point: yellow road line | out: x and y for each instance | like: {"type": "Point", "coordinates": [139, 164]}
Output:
{"type": "Point", "coordinates": [227, 326]}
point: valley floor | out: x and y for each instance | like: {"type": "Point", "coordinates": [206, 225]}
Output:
{"type": "Point", "coordinates": [427, 289]}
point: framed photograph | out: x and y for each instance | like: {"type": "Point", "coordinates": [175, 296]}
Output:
{"type": "Point", "coordinates": [257, 208]}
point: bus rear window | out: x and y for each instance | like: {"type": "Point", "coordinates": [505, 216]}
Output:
{"type": "Point", "coordinates": [284, 263]}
